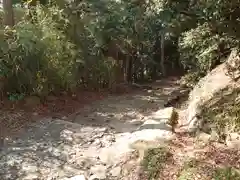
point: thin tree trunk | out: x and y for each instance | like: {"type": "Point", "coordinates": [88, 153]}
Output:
{"type": "Point", "coordinates": [141, 72]}
{"type": "Point", "coordinates": [125, 68]}
{"type": "Point", "coordinates": [8, 13]}
{"type": "Point", "coordinates": [130, 68]}
{"type": "Point", "coordinates": [162, 55]}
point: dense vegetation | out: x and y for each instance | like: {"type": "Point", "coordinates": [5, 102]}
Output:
{"type": "Point", "coordinates": [51, 46]}
{"type": "Point", "coordinates": [60, 45]}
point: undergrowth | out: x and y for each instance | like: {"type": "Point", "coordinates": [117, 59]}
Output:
{"type": "Point", "coordinates": [227, 173]}
{"type": "Point", "coordinates": [223, 110]}
{"type": "Point", "coordinates": [193, 167]}
{"type": "Point", "coordinates": [154, 160]}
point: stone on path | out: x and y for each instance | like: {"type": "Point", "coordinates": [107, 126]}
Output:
{"type": "Point", "coordinates": [95, 145]}
{"type": "Point", "coordinates": [116, 171]}
{"type": "Point", "coordinates": [123, 143]}
{"type": "Point", "coordinates": [94, 177]}
{"type": "Point", "coordinates": [155, 124]}
{"type": "Point", "coordinates": [99, 171]}
{"type": "Point", "coordinates": [50, 149]}
{"type": "Point", "coordinates": [78, 177]}
{"type": "Point", "coordinates": [163, 114]}
{"type": "Point", "coordinates": [204, 137]}
{"type": "Point", "coordinates": [233, 140]}
{"type": "Point", "coordinates": [162, 119]}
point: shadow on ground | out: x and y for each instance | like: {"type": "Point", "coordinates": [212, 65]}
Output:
{"type": "Point", "coordinates": [53, 148]}
{"type": "Point", "coordinates": [61, 148]}
{"type": "Point", "coordinates": [124, 113]}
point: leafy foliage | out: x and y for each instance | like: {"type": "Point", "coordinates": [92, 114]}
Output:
{"type": "Point", "coordinates": [83, 35]}
{"type": "Point", "coordinates": [27, 61]}
{"type": "Point", "coordinates": [223, 111]}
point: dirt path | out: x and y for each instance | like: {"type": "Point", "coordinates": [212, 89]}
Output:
{"type": "Point", "coordinates": [95, 143]}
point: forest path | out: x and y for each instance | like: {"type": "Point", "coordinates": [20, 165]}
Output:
{"type": "Point", "coordinates": [94, 143]}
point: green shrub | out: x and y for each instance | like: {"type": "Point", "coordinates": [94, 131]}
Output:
{"type": "Point", "coordinates": [223, 111]}
{"type": "Point", "coordinates": [190, 79]}
{"type": "Point", "coordinates": [37, 58]}
{"type": "Point", "coordinates": [201, 49]}
{"type": "Point", "coordinates": [53, 51]}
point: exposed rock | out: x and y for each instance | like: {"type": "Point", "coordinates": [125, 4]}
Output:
{"type": "Point", "coordinates": [94, 177]}
{"type": "Point", "coordinates": [214, 135]}
{"type": "Point", "coordinates": [99, 171]}
{"type": "Point", "coordinates": [233, 140]}
{"type": "Point", "coordinates": [167, 116]}
{"type": "Point", "coordinates": [207, 87]}
{"type": "Point", "coordinates": [233, 65]}
{"type": "Point", "coordinates": [98, 143]}
{"type": "Point", "coordinates": [177, 97]}
{"type": "Point", "coordinates": [155, 124]}
{"type": "Point", "coordinates": [116, 171]}
{"type": "Point", "coordinates": [78, 177]}
{"type": "Point", "coordinates": [152, 135]}
{"type": "Point", "coordinates": [32, 176]}
{"type": "Point", "coordinates": [99, 149]}
{"type": "Point", "coordinates": [204, 137]}
{"type": "Point", "coordinates": [109, 139]}
{"type": "Point", "coordinates": [163, 114]}
{"type": "Point", "coordinates": [142, 145]}
{"type": "Point", "coordinates": [122, 146]}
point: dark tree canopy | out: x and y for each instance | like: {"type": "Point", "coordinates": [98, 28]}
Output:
{"type": "Point", "coordinates": [96, 44]}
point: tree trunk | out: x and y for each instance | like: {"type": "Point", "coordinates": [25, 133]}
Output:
{"type": "Point", "coordinates": [8, 18]}
{"type": "Point", "coordinates": [130, 70]}
{"type": "Point", "coordinates": [141, 73]}
{"type": "Point", "coordinates": [125, 68]}
{"type": "Point", "coordinates": [162, 55]}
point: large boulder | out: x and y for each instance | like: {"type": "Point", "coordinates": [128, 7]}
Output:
{"type": "Point", "coordinates": [165, 119]}
{"type": "Point", "coordinates": [233, 140]}
{"type": "Point", "coordinates": [210, 90]}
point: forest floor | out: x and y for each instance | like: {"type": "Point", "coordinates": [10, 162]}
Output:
{"type": "Point", "coordinates": [89, 135]}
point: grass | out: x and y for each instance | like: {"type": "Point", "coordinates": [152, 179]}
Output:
{"type": "Point", "coordinates": [188, 174]}
{"type": "Point", "coordinates": [227, 173]}
{"type": "Point", "coordinates": [223, 111]}
{"type": "Point", "coordinates": [189, 169]}
{"type": "Point", "coordinates": [154, 160]}
{"type": "Point", "coordinates": [193, 168]}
